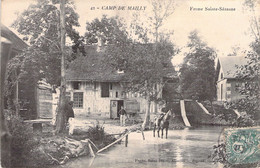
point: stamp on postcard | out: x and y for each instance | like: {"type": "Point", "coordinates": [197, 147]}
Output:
{"type": "Point", "coordinates": [242, 145]}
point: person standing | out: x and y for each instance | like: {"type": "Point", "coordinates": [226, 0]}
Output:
{"type": "Point", "coordinates": [69, 111]}
{"type": "Point", "coordinates": [122, 114]}
{"type": "Point", "coordinates": [69, 115]}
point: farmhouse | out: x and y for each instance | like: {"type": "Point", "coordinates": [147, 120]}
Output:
{"type": "Point", "coordinates": [96, 88]}
{"type": "Point", "coordinates": [227, 83]}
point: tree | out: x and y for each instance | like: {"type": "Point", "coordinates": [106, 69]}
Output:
{"type": "Point", "coordinates": [144, 70]}
{"type": "Point", "coordinates": [249, 73]}
{"type": "Point", "coordinates": [250, 6]}
{"type": "Point", "coordinates": [41, 26]}
{"type": "Point", "coordinates": [61, 112]}
{"type": "Point", "coordinates": [106, 30]}
{"type": "Point", "coordinates": [144, 65]}
{"type": "Point", "coordinates": [141, 51]}
{"type": "Point", "coordinates": [161, 10]}
{"type": "Point", "coordinates": [197, 70]}
{"type": "Point", "coordinates": [6, 137]}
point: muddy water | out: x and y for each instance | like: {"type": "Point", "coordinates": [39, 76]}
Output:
{"type": "Point", "coordinates": [183, 149]}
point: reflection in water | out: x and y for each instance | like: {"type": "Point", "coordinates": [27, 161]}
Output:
{"type": "Point", "coordinates": [179, 161]}
{"type": "Point", "coordinates": [184, 133]}
{"type": "Point", "coordinates": [91, 161]}
{"type": "Point", "coordinates": [183, 148]}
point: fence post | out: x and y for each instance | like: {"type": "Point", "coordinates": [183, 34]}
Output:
{"type": "Point", "coordinates": [126, 140]}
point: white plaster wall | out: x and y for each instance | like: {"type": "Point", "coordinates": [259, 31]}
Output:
{"type": "Point", "coordinates": [223, 82]}
{"type": "Point", "coordinates": [93, 103]}
{"type": "Point", "coordinates": [224, 91]}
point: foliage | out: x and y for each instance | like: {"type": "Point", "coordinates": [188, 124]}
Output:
{"type": "Point", "coordinates": [23, 143]}
{"type": "Point", "coordinates": [197, 71]}
{"type": "Point", "coordinates": [142, 67]}
{"type": "Point", "coordinates": [96, 132]}
{"type": "Point", "coordinates": [249, 73]}
{"type": "Point", "coordinates": [40, 25]}
{"type": "Point", "coordinates": [161, 10]}
{"type": "Point", "coordinates": [250, 90]}
{"type": "Point", "coordinates": [149, 29]}
{"type": "Point", "coordinates": [219, 153]}
{"type": "Point", "coordinates": [144, 64]}
{"type": "Point", "coordinates": [106, 31]}
{"type": "Point", "coordinates": [171, 91]}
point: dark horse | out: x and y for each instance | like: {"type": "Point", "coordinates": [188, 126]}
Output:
{"type": "Point", "coordinates": [161, 124]}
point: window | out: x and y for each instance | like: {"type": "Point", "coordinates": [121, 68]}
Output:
{"type": "Point", "coordinates": [76, 85]}
{"type": "Point", "coordinates": [111, 86]}
{"type": "Point", "coordinates": [116, 94]}
{"type": "Point", "coordinates": [78, 99]}
{"type": "Point", "coordinates": [104, 89]}
{"type": "Point", "coordinates": [221, 76]}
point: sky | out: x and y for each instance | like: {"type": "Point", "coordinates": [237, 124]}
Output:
{"type": "Point", "coordinates": [221, 30]}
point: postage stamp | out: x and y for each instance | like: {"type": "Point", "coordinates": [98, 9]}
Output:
{"type": "Point", "coordinates": [242, 145]}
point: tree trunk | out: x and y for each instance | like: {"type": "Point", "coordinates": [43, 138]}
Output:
{"type": "Point", "coordinates": [60, 118]}
{"type": "Point", "coordinates": [147, 114]}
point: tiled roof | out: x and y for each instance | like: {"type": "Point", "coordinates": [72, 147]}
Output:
{"type": "Point", "coordinates": [92, 68]}
{"type": "Point", "coordinates": [229, 65]}
{"type": "Point", "coordinates": [17, 43]}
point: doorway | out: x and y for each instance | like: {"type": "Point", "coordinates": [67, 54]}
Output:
{"type": "Point", "coordinates": [115, 106]}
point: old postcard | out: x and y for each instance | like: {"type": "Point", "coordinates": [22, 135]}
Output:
{"type": "Point", "coordinates": [140, 83]}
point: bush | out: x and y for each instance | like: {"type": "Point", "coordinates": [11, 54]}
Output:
{"type": "Point", "coordinates": [96, 132]}
{"type": "Point", "coordinates": [23, 143]}
{"type": "Point", "coordinates": [98, 135]}
{"type": "Point", "coordinates": [244, 121]}
{"type": "Point", "coordinates": [220, 112]}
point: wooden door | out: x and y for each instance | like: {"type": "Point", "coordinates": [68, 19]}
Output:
{"type": "Point", "coordinates": [113, 108]}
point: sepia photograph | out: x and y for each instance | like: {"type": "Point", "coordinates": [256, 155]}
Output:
{"type": "Point", "coordinates": [130, 83]}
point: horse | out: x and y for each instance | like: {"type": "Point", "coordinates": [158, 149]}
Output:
{"type": "Point", "coordinates": [161, 124]}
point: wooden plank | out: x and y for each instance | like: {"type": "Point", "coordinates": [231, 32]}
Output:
{"type": "Point", "coordinates": [115, 134]}
{"type": "Point", "coordinates": [203, 108]}
{"type": "Point", "coordinates": [106, 147]}
{"type": "Point", "coordinates": [183, 114]}
{"type": "Point", "coordinates": [91, 150]}
{"type": "Point", "coordinates": [126, 141]}
{"type": "Point", "coordinates": [142, 133]}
